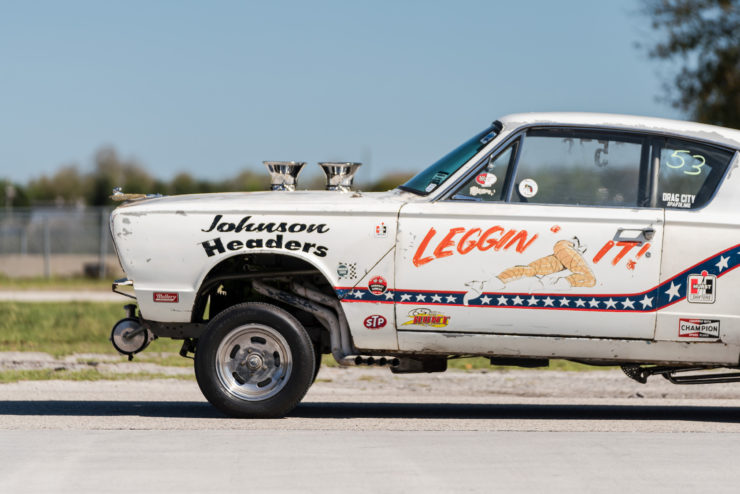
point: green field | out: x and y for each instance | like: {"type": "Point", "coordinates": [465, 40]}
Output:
{"type": "Point", "coordinates": [55, 283]}
{"type": "Point", "coordinates": [62, 329]}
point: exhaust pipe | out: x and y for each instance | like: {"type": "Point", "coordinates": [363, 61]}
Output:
{"type": "Point", "coordinates": [339, 175]}
{"type": "Point", "coordinates": [284, 174]}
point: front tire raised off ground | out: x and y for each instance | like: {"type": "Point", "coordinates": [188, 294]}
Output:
{"type": "Point", "coordinates": [254, 360]}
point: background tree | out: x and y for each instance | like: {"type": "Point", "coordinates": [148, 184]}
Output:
{"type": "Point", "coordinates": [702, 37]}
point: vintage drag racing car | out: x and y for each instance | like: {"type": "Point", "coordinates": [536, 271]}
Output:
{"type": "Point", "coordinates": [603, 239]}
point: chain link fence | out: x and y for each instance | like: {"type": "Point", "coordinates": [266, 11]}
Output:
{"type": "Point", "coordinates": [54, 241]}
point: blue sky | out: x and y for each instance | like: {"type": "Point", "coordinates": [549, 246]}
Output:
{"type": "Point", "coordinates": [213, 88]}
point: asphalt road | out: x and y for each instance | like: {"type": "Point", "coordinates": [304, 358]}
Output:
{"type": "Point", "coordinates": [364, 430]}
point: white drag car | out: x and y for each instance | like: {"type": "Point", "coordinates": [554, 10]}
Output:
{"type": "Point", "coordinates": [603, 239]}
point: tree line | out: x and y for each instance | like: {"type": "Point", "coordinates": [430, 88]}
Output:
{"type": "Point", "coordinates": [69, 186]}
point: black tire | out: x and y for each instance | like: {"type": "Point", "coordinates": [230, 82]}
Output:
{"type": "Point", "coordinates": [254, 360]}
{"type": "Point", "coordinates": [317, 362]}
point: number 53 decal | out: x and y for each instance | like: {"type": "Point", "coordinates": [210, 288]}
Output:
{"type": "Point", "coordinates": [695, 167]}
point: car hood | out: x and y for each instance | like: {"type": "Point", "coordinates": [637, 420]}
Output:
{"type": "Point", "coordinates": [299, 202]}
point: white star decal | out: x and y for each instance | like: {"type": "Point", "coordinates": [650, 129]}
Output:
{"type": "Point", "coordinates": [673, 291]}
{"type": "Point", "coordinates": [646, 302]}
{"type": "Point", "coordinates": [517, 300]}
{"type": "Point", "coordinates": [502, 300]}
{"type": "Point", "coordinates": [593, 303]}
{"type": "Point", "coordinates": [532, 300]}
{"type": "Point", "coordinates": [405, 297]}
{"type": "Point", "coordinates": [421, 298]}
{"type": "Point", "coordinates": [436, 298]}
{"type": "Point", "coordinates": [628, 304]}
{"type": "Point", "coordinates": [580, 303]}
{"type": "Point", "coordinates": [611, 304]}
{"type": "Point", "coordinates": [548, 301]}
{"type": "Point", "coordinates": [722, 264]}
{"type": "Point", "coordinates": [564, 301]}
{"type": "Point", "coordinates": [389, 295]}
{"type": "Point", "coordinates": [451, 299]}
{"type": "Point", "coordinates": [359, 294]}
{"type": "Point", "coordinates": [485, 299]}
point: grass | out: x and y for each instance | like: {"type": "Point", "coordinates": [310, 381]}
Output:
{"type": "Point", "coordinates": [55, 283]}
{"type": "Point", "coordinates": [11, 376]}
{"type": "Point", "coordinates": [61, 328]}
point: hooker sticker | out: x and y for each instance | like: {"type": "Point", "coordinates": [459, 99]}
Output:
{"type": "Point", "coordinates": [701, 288]}
{"type": "Point", "coordinates": [375, 322]}
{"type": "Point", "coordinates": [168, 297]}
{"type": "Point", "coordinates": [377, 285]}
{"type": "Point", "coordinates": [698, 328]}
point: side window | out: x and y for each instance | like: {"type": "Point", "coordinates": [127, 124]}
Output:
{"type": "Point", "coordinates": [689, 173]}
{"type": "Point", "coordinates": [488, 183]}
{"type": "Point", "coordinates": [579, 168]}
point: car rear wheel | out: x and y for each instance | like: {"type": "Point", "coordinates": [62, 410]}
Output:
{"type": "Point", "coordinates": [254, 360]}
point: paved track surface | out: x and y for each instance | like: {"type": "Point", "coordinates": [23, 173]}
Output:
{"type": "Point", "coordinates": [364, 430]}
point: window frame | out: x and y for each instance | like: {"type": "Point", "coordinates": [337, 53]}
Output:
{"type": "Point", "coordinates": [652, 145]}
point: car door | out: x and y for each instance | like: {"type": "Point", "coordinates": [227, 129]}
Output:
{"type": "Point", "coordinates": [698, 290]}
{"type": "Point", "coordinates": [553, 234]}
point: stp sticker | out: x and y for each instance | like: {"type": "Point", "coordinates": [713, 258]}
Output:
{"type": "Point", "coordinates": [375, 322]}
{"type": "Point", "coordinates": [377, 285]}
{"type": "Point", "coordinates": [528, 188]}
{"type": "Point", "coordinates": [702, 288]}
{"type": "Point", "coordinates": [486, 179]}
{"type": "Point", "coordinates": [698, 328]}
{"type": "Point", "coordinates": [168, 297]}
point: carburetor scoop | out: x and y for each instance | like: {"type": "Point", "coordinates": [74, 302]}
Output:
{"type": "Point", "coordinates": [339, 175]}
{"type": "Point", "coordinates": [284, 174]}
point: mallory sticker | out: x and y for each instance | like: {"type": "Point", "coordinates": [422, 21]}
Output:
{"type": "Point", "coordinates": [702, 288]}
{"type": "Point", "coordinates": [427, 317]}
{"type": "Point", "coordinates": [377, 285]}
{"type": "Point", "coordinates": [698, 328]}
{"type": "Point", "coordinates": [167, 297]}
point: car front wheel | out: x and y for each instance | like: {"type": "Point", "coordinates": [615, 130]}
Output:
{"type": "Point", "coordinates": [254, 360]}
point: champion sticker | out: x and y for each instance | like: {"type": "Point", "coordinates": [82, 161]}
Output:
{"type": "Point", "coordinates": [528, 188]}
{"type": "Point", "coordinates": [377, 285]}
{"type": "Point", "coordinates": [698, 328]}
{"type": "Point", "coordinates": [167, 297]}
{"type": "Point", "coordinates": [486, 179]}
{"type": "Point", "coordinates": [375, 322]}
{"type": "Point", "coordinates": [702, 288]}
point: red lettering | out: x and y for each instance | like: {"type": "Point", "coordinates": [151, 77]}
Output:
{"type": "Point", "coordinates": [485, 244]}
{"type": "Point", "coordinates": [521, 237]}
{"type": "Point", "coordinates": [447, 241]}
{"type": "Point", "coordinates": [464, 249]}
{"type": "Point", "coordinates": [626, 247]}
{"type": "Point", "coordinates": [418, 260]}
{"type": "Point", "coordinates": [504, 239]}
{"type": "Point", "coordinates": [606, 248]}
{"type": "Point", "coordinates": [643, 250]}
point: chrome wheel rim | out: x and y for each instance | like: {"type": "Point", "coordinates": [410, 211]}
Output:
{"type": "Point", "coordinates": [253, 362]}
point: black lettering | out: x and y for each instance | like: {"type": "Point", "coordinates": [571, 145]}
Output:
{"type": "Point", "coordinates": [293, 245]}
{"type": "Point", "coordinates": [241, 224]}
{"type": "Point", "coordinates": [318, 228]}
{"type": "Point", "coordinates": [320, 251]}
{"type": "Point", "coordinates": [281, 228]}
{"type": "Point", "coordinates": [213, 247]}
{"type": "Point", "coordinates": [234, 245]}
{"type": "Point", "coordinates": [276, 243]}
{"type": "Point", "coordinates": [254, 243]}
{"type": "Point", "coordinates": [269, 227]}
{"type": "Point", "coordinates": [307, 246]}
{"type": "Point", "coordinates": [226, 227]}
{"type": "Point", "coordinates": [296, 228]}
{"type": "Point", "coordinates": [216, 219]}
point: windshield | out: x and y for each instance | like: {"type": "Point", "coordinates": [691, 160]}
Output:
{"type": "Point", "coordinates": [435, 175]}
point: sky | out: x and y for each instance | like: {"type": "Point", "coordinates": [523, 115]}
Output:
{"type": "Point", "coordinates": [214, 88]}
